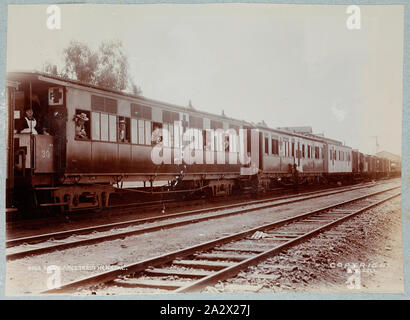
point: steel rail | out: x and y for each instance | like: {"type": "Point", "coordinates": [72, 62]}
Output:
{"type": "Point", "coordinates": [108, 276]}
{"type": "Point", "coordinates": [119, 235]}
{"type": "Point", "coordinates": [127, 207]}
{"type": "Point", "coordinates": [81, 231]}
{"type": "Point", "coordinates": [235, 269]}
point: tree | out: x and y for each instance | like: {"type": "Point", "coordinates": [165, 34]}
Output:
{"type": "Point", "coordinates": [106, 67]}
{"type": "Point", "coordinates": [80, 62]}
{"type": "Point", "coordinates": [112, 67]}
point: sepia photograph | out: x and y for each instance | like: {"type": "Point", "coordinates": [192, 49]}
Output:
{"type": "Point", "coordinates": [220, 148]}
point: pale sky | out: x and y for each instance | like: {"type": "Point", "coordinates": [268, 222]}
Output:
{"type": "Point", "coordinates": [289, 65]}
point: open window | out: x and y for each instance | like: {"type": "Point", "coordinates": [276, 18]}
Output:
{"type": "Point", "coordinates": [156, 135]}
{"type": "Point", "coordinates": [82, 125]}
{"type": "Point", "coordinates": [266, 145]}
{"type": "Point", "coordinates": [46, 105]}
{"type": "Point", "coordinates": [124, 125]}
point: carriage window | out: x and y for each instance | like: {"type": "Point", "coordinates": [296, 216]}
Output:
{"type": "Point", "coordinates": [195, 137]}
{"type": "Point", "coordinates": [171, 135]}
{"type": "Point", "coordinates": [82, 124]}
{"type": "Point", "coordinates": [317, 153]}
{"type": "Point", "coordinates": [156, 135]}
{"type": "Point", "coordinates": [177, 136]}
{"type": "Point", "coordinates": [104, 127]}
{"type": "Point", "coordinates": [226, 146]}
{"type": "Point", "coordinates": [111, 105]}
{"type": "Point", "coordinates": [233, 139]}
{"type": "Point", "coordinates": [308, 152]}
{"type": "Point", "coordinates": [141, 132]}
{"type": "Point", "coordinates": [216, 125]}
{"type": "Point", "coordinates": [196, 122]}
{"type": "Point", "coordinates": [147, 113]}
{"type": "Point", "coordinates": [169, 117]}
{"type": "Point", "coordinates": [286, 148]}
{"type": "Point", "coordinates": [141, 112]}
{"type": "Point", "coordinates": [113, 128]}
{"type": "Point", "coordinates": [218, 140]}
{"type": "Point", "coordinates": [266, 145]}
{"type": "Point", "coordinates": [275, 145]}
{"type": "Point", "coordinates": [303, 150]}
{"type": "Point", "coordinates": [134, 131]}
{"type": "Point", "coordinates": [123, 129]}
{"type": "Point", "coordinates": [207, 140]}
{"type": "Point", "coordinates": [293, 148]}
{"type": "Point", "coordinates": [148, 132]}
{"type": "Point", "coordinates": [99, 103]}
{"type": "Point", "coordinates": [165, 134]}
{"type": "Point", "coordinates": [95, 126]}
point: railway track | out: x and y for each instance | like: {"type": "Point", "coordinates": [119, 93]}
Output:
{"type": "Point", "coordinates": [194, 268]}
{"type": "Point", "coordinates": [144, 209]}
{"type": "Point", "coordinates": [45, 243]}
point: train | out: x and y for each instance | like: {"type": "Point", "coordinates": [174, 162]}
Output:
{"type": "Point", "coordinates": [87, 142]}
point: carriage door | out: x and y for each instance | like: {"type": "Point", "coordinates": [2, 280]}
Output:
{"type": "Point", "coordinates": [10, 91]}
{"type": "Point", "coordinates": [261, 140]}
{"type": "Point", "coordinates": [325, 157]}
{"type": "Point", "coordinates": [298, 154]}
{"type": "Point", "coordinates": [57, 112]}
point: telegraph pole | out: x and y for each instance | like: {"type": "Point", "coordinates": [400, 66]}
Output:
{"type": "Point", "coordinates": [377, 143]}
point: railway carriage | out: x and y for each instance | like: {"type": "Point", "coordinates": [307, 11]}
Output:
{"type": "Point", "coordinates": [339, 160]}
{"type": "Point", "coordinates": [284, 151]}
{"type": "Point", "coordinates": [72, 168]}
{"type": "Point", "coordinates": [74, 165]}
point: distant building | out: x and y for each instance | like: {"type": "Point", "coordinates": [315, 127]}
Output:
{"type": "Point", "coordinates": [299, 130]}
{"type": "Point", "coordinates": [389, 155]}
{"type": "Point", "coordinates": [395, 160]}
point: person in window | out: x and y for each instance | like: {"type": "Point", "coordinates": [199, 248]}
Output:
{"type": "Point", "coordinates": [156, 135]}
{"type": "Point", "coordinates": [122, 131]}
{"type": "Point", "coordinates": [80, 131]}
{"type": "Point", "coordinates": [29, 123]}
